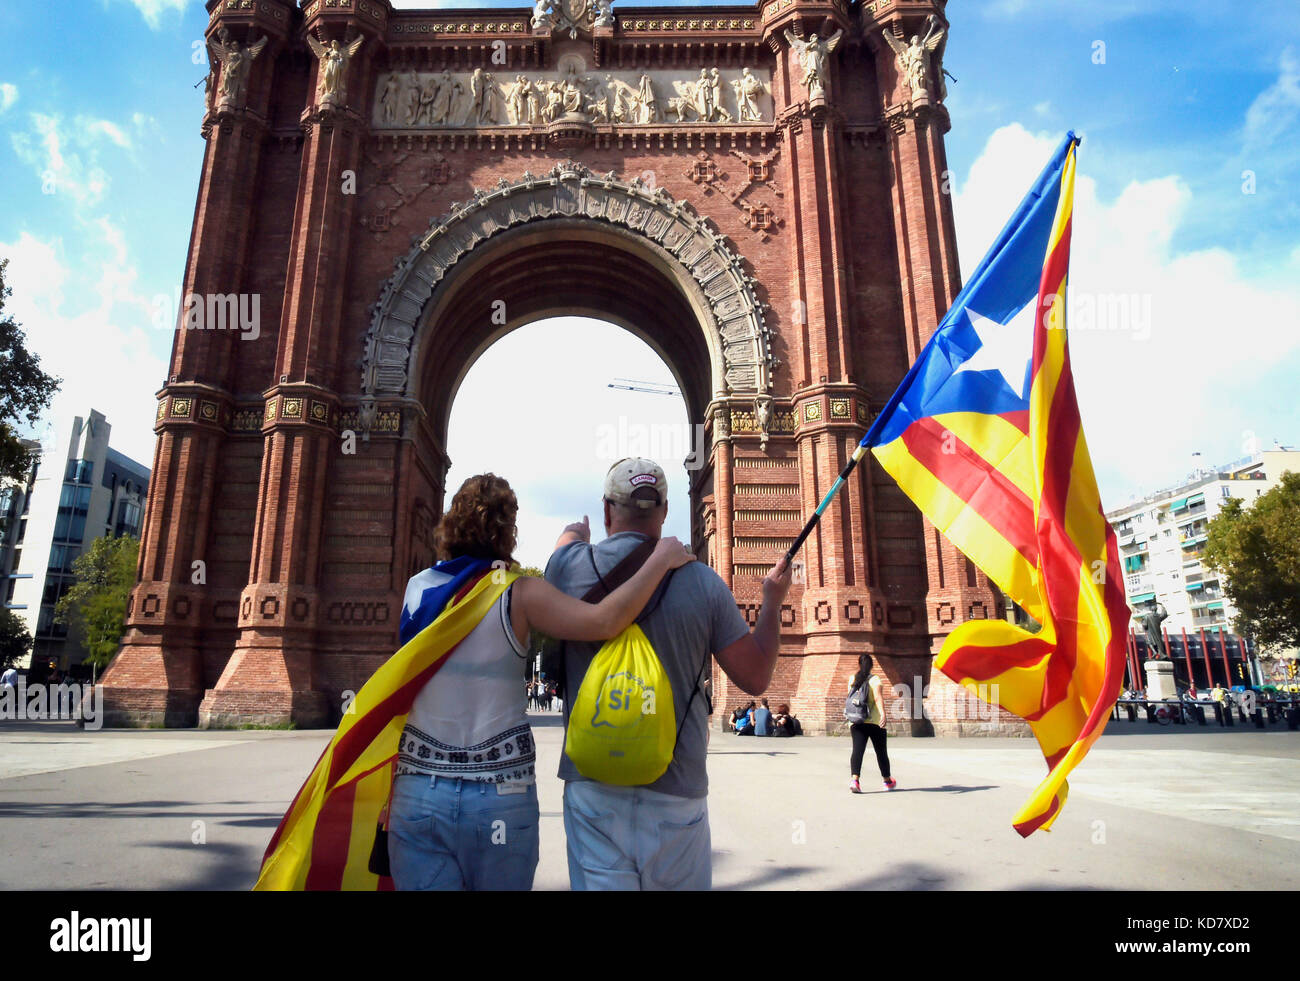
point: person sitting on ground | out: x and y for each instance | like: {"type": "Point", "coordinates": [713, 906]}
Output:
{"type": "Point", "coordinates": [781, 720]}
{"type": "Point", "coordinates": [792, 720]}
{"type": "Point", "coordinates": [762, 720]}
{"type": "Point", "coordinates": [745, 724]}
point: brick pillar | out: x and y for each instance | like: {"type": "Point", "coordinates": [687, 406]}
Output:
{"type": "Point", "coordinates": [839, 597]}
{"type": "Point", "coordinates": [271, 677]}
{"type": "Point", "coordinates": [723, 490]}
{"type": "Point", "coordinates": [157, 677]}
{"type": "Point", "coordinates": [926, 239]}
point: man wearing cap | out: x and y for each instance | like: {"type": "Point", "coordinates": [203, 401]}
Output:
{"type": "Point", "coordinates": [657, 836]}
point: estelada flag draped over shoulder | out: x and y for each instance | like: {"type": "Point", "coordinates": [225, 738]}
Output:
{"type": "Point", "coordinates": [984, 436]}
{"type": "Point", "coordinates": [324, 840]}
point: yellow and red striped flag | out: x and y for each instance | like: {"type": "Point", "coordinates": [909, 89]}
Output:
{"type": "Point", "coordinates": [324, 840]}
{"type": "Point", "coordinates": [984, 436]}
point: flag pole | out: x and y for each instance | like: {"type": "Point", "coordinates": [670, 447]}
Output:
{"type": "Point", "coordinates": [811, 523]}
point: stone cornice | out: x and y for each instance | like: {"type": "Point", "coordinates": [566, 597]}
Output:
{"type": "Point", "coordinates": [921, 111]}
{"type": "Point", "coordinates": [716, 136]}
{"type": "Point", "coordinates": [229, 117]}
{"type": "Point", "coordinates": [701, 24]}
{"type": "Point", "coordinates": [331, 117]}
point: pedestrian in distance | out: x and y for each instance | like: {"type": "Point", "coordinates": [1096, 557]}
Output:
{"type": "Point", "coordinates": [865, 712]}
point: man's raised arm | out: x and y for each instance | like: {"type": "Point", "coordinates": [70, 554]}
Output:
{"type": "Point", "coordinates": [751, 660]}
{"type": "Point", "coordinates": [579, 531]}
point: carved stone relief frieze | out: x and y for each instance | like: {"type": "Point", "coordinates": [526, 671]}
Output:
{"type": "Point", "coordinates": [477, 99]}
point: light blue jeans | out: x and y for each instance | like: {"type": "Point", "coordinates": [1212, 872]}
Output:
{"type": "Point", "coordinates": [631, 838]}
{"type": "Point", "coordinates": [445, 833]}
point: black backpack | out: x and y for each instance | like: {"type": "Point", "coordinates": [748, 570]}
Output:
{"type": "Point", "coordinates": [857, 704]}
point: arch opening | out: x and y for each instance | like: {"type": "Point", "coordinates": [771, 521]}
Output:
{"type": "Point", "coordinates": [554, 443]}
{"type": "Point", "coordinates": [570, 268]}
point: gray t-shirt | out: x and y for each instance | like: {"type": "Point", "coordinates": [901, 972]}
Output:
{"type": "Point", "coordinates": [696, 617]}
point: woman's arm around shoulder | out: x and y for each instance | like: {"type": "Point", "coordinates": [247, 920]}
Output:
{"type": "Point", "coordinates": [539, 605]}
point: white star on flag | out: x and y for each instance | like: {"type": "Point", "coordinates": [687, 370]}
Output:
{"type": "Point", "coordinates": [1005, 348]}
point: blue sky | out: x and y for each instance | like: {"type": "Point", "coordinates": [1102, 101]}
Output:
{"type": "Point", "coordinates": [98, 107]}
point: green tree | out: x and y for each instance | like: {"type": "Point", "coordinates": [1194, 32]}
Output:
{"type": "Point", "coordinates": [25, 390]}
{"type": "Point", "coordinates": [15, 641]}
{"type": "Point", "coordinates": [538, 642]}
{"type": "Point", "coordinates": [1257, 549]}
{"type": "Point", "coordinates": [94, 609]}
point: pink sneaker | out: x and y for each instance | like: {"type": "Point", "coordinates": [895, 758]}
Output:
{"type": "Point", "coordinates": [855, 787]}
{"type": "Point", "coordinates": [891, 783]}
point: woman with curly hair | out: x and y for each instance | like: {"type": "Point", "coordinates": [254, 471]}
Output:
{"type": "Point", "coordinates": [464, 811]}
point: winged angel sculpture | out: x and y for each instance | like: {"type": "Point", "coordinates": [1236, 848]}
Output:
{"type": "Point", "coordinates": [914, 59]}
{"type": "Point", "coordinates": [813, 57]}
{"type": "Point", "coordinates": [334, 60]}
{"type": "Point", "coordinates": [236, 62]}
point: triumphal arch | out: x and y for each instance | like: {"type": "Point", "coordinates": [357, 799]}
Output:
{"type": "Point", "coordinates": [757, 191]}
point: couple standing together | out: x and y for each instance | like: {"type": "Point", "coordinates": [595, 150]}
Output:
{"type": "Point", "coordinates": [455, 824]}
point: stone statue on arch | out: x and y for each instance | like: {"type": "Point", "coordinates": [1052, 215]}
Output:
{"type": "Point", "coordinates": [914, 59]}
{"type": "Point", "coordinates": [236, 63]}
{"type": "Point", "coordinates": [334, 60]}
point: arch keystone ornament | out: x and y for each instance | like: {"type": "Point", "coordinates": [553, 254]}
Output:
{"type": "Point", "coordinates": [584, 176]}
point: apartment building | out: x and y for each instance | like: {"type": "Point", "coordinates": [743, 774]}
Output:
{"type": "Point", "coordinates": [1162, 540]}
{"type": "Point", "coordinates": [70, 498]}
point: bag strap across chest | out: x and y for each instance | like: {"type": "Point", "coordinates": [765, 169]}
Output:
{"type": "Point", "coordinates": [625, 569]}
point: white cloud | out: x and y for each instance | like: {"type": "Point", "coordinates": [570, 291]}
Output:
{"type": "Point", "coordinates": [153, 10]}
{"type": "Point", "coordinates": [102, 127]}
{"type": "Point", "coordinates": [66, 160]}
{"type": "Point", "coordinates": [8, 96]}
{"type": "Point", "coordinates": [1273, 116]}
{"type": "Point", "coordinates": [89, 329]}
{"type": "Point", "coordinates": [1204, 352]}
{"type": "Point", "coordinates": [66, 157]}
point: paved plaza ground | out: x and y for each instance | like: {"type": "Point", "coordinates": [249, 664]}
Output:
{"type": "Point", "coordinates": [1149, 809]}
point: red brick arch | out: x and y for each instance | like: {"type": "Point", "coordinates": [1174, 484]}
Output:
{"type": "Point", "coordinates": [681, 251]}
{"type": "Point", "coordinates": [788, 262]}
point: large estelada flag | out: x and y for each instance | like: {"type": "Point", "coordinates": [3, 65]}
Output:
{"type": "Point", "coordinates": [324, 840]}
{"type": "Point", "coordinates": [984, 436]}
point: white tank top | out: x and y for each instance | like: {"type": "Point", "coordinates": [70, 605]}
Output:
{"type": "Point", "coordinates": [469, 720]}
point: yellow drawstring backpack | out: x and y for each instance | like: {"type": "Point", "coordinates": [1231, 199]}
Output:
{"type": "Point", "coordinates": [623, 722]}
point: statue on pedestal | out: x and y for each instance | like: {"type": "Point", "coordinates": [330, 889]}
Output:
{"type": "Point", "coordinates": [914, 59]}
{"type": "Point", "coordinates": [1151, 621]}
{"type": "Point", "coordinates": [814, 55]}
{"type": "Point", "coordinates": [763, 417]}
{"type": "Point", "coordinates": [332, 86]}
{"type": "Point", "coordinates": [236, 63]}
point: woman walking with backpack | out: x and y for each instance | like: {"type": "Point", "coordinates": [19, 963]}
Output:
{"type": "Point", "coordinates": [865, 712]}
